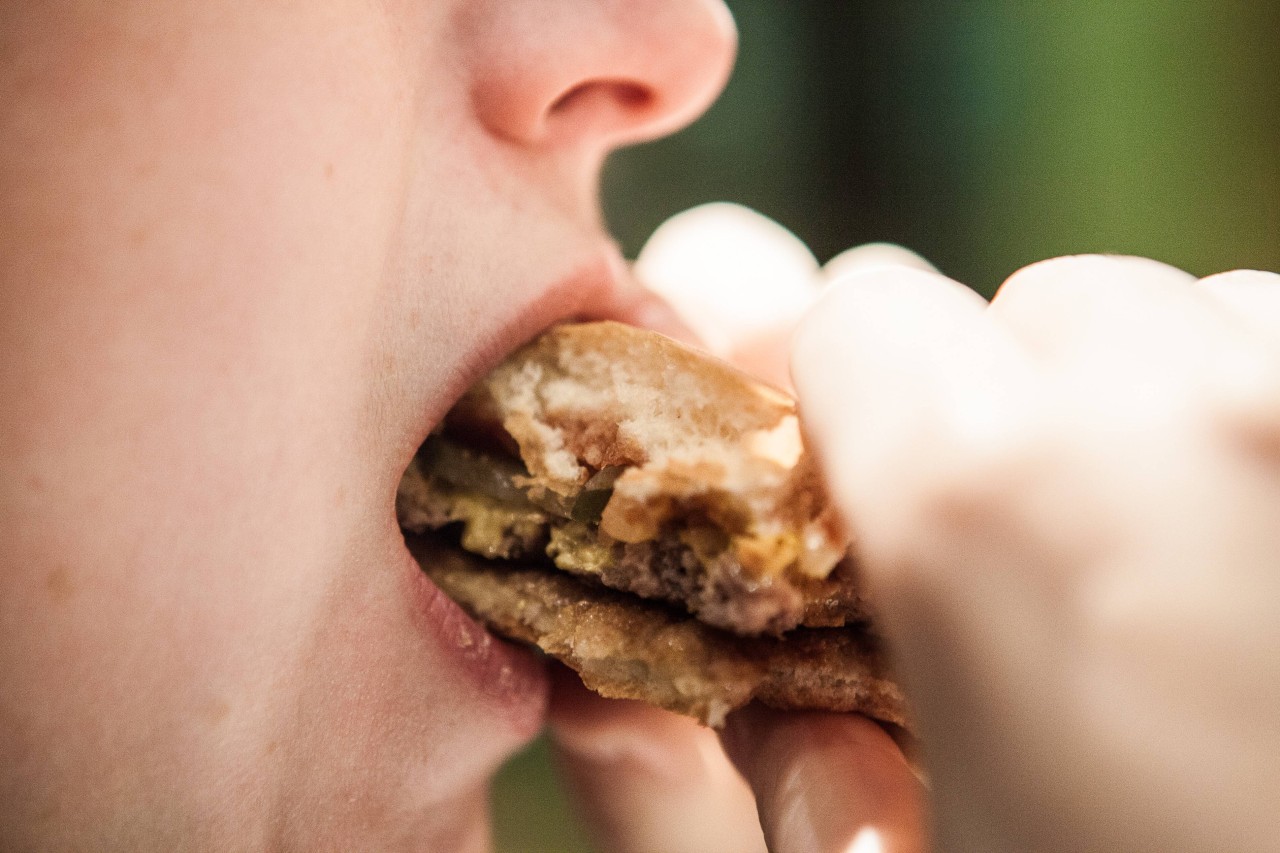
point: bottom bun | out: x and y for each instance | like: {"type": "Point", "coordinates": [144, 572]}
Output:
{"type": "Point", "coordinates": [626, 648]}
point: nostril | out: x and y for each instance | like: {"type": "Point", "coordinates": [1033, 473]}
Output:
{"type": "Point", "coordinates": [592, 74]}
{"type": "Point", "coordinates": [608, 96]}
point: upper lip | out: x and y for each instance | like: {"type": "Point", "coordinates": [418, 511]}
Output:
{"type": "Point", "coordinates": [632, 303]}
{"type": "Point", "coordinates": [599, 288]}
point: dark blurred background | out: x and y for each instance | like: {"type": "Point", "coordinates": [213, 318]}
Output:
{"type": "Point", "coordinates": [983, 135]}
{"type": "Point", "coordinates": [986, 135]}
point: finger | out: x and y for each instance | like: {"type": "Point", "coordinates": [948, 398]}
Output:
{"type": "Point", "coordinates": [1130, 340]}
{"type": "Point", "coordinates": [648, 781]}
{"type": "Point", "coordinates": [904, 381]}
{"type": "Point", "coordinates": [827, 783]}
{"type": "Point", "coordinates": [737, 278]}
{"type": "Point", "coordinates": [1250, 397]}
{"type": "Point", "coordinates": [1062, 307]}
{"type": "Point", "coordinates": [872, 255]}
{"type": "Point", "coordinates": [1251, 296]}
{"type": "Point", "coordinates": [767, 353]}
{"type": "Point", "coordinates": [730, 272]}
{"type": "Point", "coordinates": [1135, 344]}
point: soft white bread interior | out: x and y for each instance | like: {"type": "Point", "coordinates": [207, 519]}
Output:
{"type": "Point", "coordinates": [663, 532]}
{"type": "Point", "coordinates": [699, 442]}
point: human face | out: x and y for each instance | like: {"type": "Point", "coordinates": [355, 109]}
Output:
{"type": "Point", "coordinates": [250, 253]}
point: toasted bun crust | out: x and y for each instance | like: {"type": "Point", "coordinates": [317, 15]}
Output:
{"type": "Point", "coordinates": [703, 444]}
{"type": "Point", "coordinates": [710, 542]}
{"type": "Point", "coordinates": [625, 648]}
{"type": "Point", "coordinates": [609, 394]}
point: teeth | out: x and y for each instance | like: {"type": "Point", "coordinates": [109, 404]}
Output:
{"type": "Point", "coordinates": [472, 640]}
{"type": "Point", "coordinates": [506, 678]}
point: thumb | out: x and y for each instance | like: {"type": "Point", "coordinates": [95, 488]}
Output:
{"type": "Point", "coordinates": [827, 783]}
{"type": "Point", "coordinates": [646, 780]}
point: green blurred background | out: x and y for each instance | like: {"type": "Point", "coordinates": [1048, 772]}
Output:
{"type": "Point", "coordinates": [984, 135]}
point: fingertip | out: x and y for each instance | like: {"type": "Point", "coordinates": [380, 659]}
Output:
{"type": "Point", "coordinates": [1245, 277]}
{"type": "Point", "coordinates": [823, 781]}
{"type": "Point", "coordinates": [907, 388]}
{"type": "Point", "coordinates": [876, 331]}
{"type": "Point", "coordinates": [759, 739]}
{"type": "Point", "coordinates": [1088, 267]}
{"type": "Point", "coordinates": [1252, 296]}
{"type": "Point", "coordinates": [739, 736]}
{"type": "Point", "coordinates": [732, 273]}
{"type": "Point", "coordinates": [601, 731]}
{"type": "Point", "coordinates": [871, 256]}
{"type": "Point", "coordinates": [878, 301]}
{"type": "Point", "coordinates": [1248, 396]}
{"type": "Point", "coordinates": [1076, 271]}
{"type": "Point", "coordinates": [646, 779]}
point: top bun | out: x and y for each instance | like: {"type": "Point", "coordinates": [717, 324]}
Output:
{"type": "Point", "coordinates": [700, 450]}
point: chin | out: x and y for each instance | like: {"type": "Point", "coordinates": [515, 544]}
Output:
{"type": "Point", "coordinates": [427, 700]}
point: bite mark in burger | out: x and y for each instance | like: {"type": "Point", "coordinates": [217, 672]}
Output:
{"type": "Point", "coordinates": [648, 515]}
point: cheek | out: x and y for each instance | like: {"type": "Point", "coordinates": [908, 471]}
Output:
{"type": "Point", "coordinates": [387, 717]}
{"type": "Point", "coordinates": [201, 397]}
{"type": "Point", "coordinates": [216, 201]}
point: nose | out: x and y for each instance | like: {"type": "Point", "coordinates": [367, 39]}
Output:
{"type": "Point", "coordinates": [600, 73]}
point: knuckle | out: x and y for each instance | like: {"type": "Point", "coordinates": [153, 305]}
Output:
{"type": "Point", "coordinates": [1243, 278]}
{"type": "Point", "coordinates": [1244, 408]}
{"type": "Point", "coordinates": [970, 481]}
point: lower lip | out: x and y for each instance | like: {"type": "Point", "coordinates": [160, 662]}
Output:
{"type": "Point", "coordinates": [511, 677]}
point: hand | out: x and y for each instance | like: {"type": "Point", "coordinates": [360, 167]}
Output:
{"type": "Point", "coordinates": [648, 780]}
{"type": "Point", "coordinates": [741, 281]}
{"type": "Point", "coordinates": [1068, 503]}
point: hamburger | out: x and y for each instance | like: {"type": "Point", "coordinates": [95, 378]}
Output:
{"type": "Point", "coordinates": [647, 515]}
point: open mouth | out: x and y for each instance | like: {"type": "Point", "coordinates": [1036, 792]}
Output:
{"type": "Point", "coordinates": [646, 515]}
{"type": "Point", "coordinates": [600, 290]}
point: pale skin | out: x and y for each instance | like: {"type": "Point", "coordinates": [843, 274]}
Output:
{"type": "Point", "coordinates": [1068, 504]}
{"type": "Point", "coordinates": [249, 253]}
